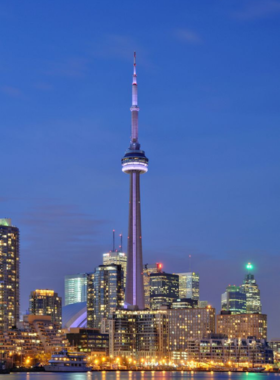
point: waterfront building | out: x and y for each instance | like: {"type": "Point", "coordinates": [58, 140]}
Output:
{"type": "Point", "coordinates": [251, 289]}
{"type": "Point", "coordinates": [118, 258]}
{"type": "Point", "coordinates": [234, 300]}
{"type": "Point", "coordinates": [148, 269]}
{"type": "Point", "coordinates": [46, 302]}
{"type": "Point", "coordinates": [134, 163]}
{"type": "Point", "coordinates": [88, 340]}
{"type": "Point", "coordinates": [164, 289]}
{"type": "Point", "coordinates": [185, 324]}
{"type": "Point", "coordinates": [219, 349]}
{"type": "Point", "coordinates": [9, 275]}
{"type": "Point", "coordinates": [155, 333]}
{"type": "Point", "coordinates": [36, 334]}
{"type": "Point", "coordinates": [138, 333]}
{"type": "Point", "coordinates": [242, 325]}
{"type": "Point", "coordinates": [189, 285]}
{"type": "Point", "coordinates": [105, 293]}
{"type": "Point", "coordinates": [75, 288]}
{"type": "Point", "coordinates": [275, 346]}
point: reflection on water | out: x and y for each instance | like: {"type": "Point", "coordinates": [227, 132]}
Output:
{"type": "Point", "coordinates": [141, 375]}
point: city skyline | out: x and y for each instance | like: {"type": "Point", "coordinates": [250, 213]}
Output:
{"type": "Point", "coordinates": [209, 121]}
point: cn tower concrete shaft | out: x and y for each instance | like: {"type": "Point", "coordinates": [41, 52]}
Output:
{"type": "Point", "coordinates": [134, 163]}
{"type": "Point", "coordinates": [134, 290]}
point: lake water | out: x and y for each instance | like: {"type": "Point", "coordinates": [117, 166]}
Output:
{"type": "Point", "coordinates": [147, 375]}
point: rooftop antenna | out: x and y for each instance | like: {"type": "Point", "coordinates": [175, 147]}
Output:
{"type": "Point", "coordinates": [121, 243]}
{"type": "Point", "coordinates": [190, 263]}
{"type": "Point", "coordinates": [113, 240]}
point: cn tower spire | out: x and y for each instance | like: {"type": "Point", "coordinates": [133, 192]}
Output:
{"type": "Point", "coordinates": [134, 163]}
{"type": "Point", "coordinates": [134, 110]}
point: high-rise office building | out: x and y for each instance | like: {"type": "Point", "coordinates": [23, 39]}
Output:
{"type": "Point", "coordinates": [189, 285]}
{"type": "Point", "coordinates": [234, 300]}
{"type": "Point", "coordinates": [134, 163]}
{"type": "Point", "coordinates": [90, 300]}
{"type": "Point", "coordinates": [148, 269]}
{"type": "Point", "coordinates": [105, 293]}
{"type": "Point", "coordinates": [164, 289]}
{"type": "Point", "coordinates": [251, 289]}
{"type": "Point", "coordinates": [118, 258]}
{"type": "Point", "coordinates": [75, 287]}
{"type": "Point", "coordinates": [9, 275]}
{"type": "Point", "coordinates": [46, 302]}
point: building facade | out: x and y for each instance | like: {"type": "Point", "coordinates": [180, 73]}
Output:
{"type": "Point", "coordinates": [220, 349]}
{"type": "Point", "coordinates": [157, 333]}
{"type": "Point", "coordinates": [105, 293]}
{"type": "Point", "coordinates": [148, 269]}
{"type": "Point", "coordinates": [88, 340]}
{"type": "Point", "coordinates": [36, 334]}
{"type": "Point", "coordinates": [189, 285]}
{"type": "Point", "coordinates": [118, 258]}
{"type": "Point", "coordinates": [9, 275]}
{"type": "Point", "coordinates": [186, 324]}
{"type": "Point", "coordinates": [241, 326]}
{"type": "Point", "coordinates": [234, 300]}
{"type": "Point", "coordinates": [75, 288]}
{"type": "Point", "coordinates": [275, 346]}
{"type": "Point", "coordinates": [134, 163]}
{"type": "Point", "coordinates": [138, 333]}
{"type": "Point", "coordinates": [46, 302]}
{"type": "Point", "coordinates": [164, 289]}
{"type": "Point", "coordinates": [253, 296]}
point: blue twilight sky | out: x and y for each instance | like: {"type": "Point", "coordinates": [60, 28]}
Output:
{"type": "Point", "coordinates": [209, 90]}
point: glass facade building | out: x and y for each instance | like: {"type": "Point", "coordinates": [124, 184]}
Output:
{"type": "Point", "coordinates": [234, 300]}
{"type": "Point", "coordinates": [118, 258]}
{"type": "Point", "coordinates": [75, 288]}
{"type": "Point", "coordinates": [105, 293]}
{"type": "Point", "coordinates": [253, 295]}
{"type": "Point", "coordinates": [148, 269]}
{"type": "Point", "coordinates": [46, 302]}
{"type": "Point", "coordinates": [164, 289]}
{"type": "Point", "coordinates": [189, 285]}
{"type": "Point", "coordinates": [9, 275]}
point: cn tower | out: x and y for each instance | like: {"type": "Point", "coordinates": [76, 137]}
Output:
{"type": "Point", "coordinates": [134, 163]}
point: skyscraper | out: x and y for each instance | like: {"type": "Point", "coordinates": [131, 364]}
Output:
{"type": "Point", "coordinates": [164, 289]}
{"type": "Point", "coordinates": [189, 285]}
{"type": "Point", "coordinates": [147, 271]}
{"type": "Point", "coordinates": [134, 163]}
{"type": "Point", "coordinates": [75, 288]}
{"type": "Point", "coordinates": [118, 258]}
{"type": "Point", "coordinates": [251, 289]}
{"type": "Point", "coordinates": [9, 275]}
{"type": "Point", "coordinates": [105, 293]}
{"type": "Point", "coordinates": [234, 300]}
{"type": "Point", "coordinates": [46, 302]}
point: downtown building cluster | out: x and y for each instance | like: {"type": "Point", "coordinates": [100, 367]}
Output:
{"type": "Point", "coordinates": [132, 310]}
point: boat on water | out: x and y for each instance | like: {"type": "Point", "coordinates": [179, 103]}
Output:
{"type": "Point", "coordinates": [255, 369]}
{"type": "Point", "coordinates": [64, 361]}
